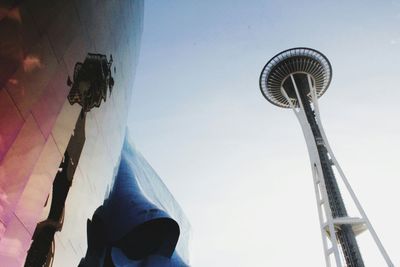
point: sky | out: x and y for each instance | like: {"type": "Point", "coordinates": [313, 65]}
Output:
{"type": "Point", "coordinates": [238, 165]}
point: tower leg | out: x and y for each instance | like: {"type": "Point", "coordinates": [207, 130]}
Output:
{"type": "Point", "coordinates": [326, 222]}
{"type": "Point", "coordinates": [336, 225]}
{"type": "Point", "coordinates": [335, 163]}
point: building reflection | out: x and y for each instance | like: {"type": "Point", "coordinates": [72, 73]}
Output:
{"type": "Point", "coordinates": [59, 154]}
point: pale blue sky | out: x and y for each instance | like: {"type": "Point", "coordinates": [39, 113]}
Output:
{"type": "Point", "coordinates": [239, 165]}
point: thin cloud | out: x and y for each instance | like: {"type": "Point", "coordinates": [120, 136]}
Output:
{"type": "Point", "coordinates": [395, 41]}
{"type": "Point", "coordinates": [31, 63]}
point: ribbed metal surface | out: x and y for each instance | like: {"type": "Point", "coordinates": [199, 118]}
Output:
{"type": "Point", "coordinates": [295, 60]}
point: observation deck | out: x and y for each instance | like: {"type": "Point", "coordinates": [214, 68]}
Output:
{"type": "Point", "coordinates": [298, 62]}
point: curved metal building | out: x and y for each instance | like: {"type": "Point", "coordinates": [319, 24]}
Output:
{"type": "Point", "coordinates": [73, 190]}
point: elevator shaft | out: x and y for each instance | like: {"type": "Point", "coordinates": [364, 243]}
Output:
{"type": "Point", "coordinates": [344, 232]}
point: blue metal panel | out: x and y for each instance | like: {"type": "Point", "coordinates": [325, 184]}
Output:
{"type": "Point", "coordinates": [131, 228]}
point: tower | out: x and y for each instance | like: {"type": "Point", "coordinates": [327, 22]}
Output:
{"type": "Point", "coordinates": [296, 78]}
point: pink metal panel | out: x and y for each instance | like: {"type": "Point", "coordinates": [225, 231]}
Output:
{"type": "Point", "coordinates": [39, 186]}
{"type": "Point", "coordinates": [18, 164]}
{"type": "Point", "coordinates": [10, 122]}
{"type": "Point", "coordinates": [13, 244]}
{"type": "Point", "coordinates": [32, 76]}
{"type": "Point", "coordinates": [48, 107]}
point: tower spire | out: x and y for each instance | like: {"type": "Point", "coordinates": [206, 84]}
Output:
{"type": "Point", "coordinates": [296, 78]}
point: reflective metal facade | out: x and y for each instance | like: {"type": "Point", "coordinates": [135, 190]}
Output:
{"type": "Point", "coordinates": [41, 43]}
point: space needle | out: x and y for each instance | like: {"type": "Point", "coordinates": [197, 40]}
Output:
{"type": "Point", "coordinates": [295, 79]}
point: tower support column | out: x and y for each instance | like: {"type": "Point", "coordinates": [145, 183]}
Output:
{"type": "Point", "coordinates": [338, 230]}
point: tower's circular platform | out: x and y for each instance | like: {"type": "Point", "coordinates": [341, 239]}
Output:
{"type": "Point", "coordinates": [296, 61]}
